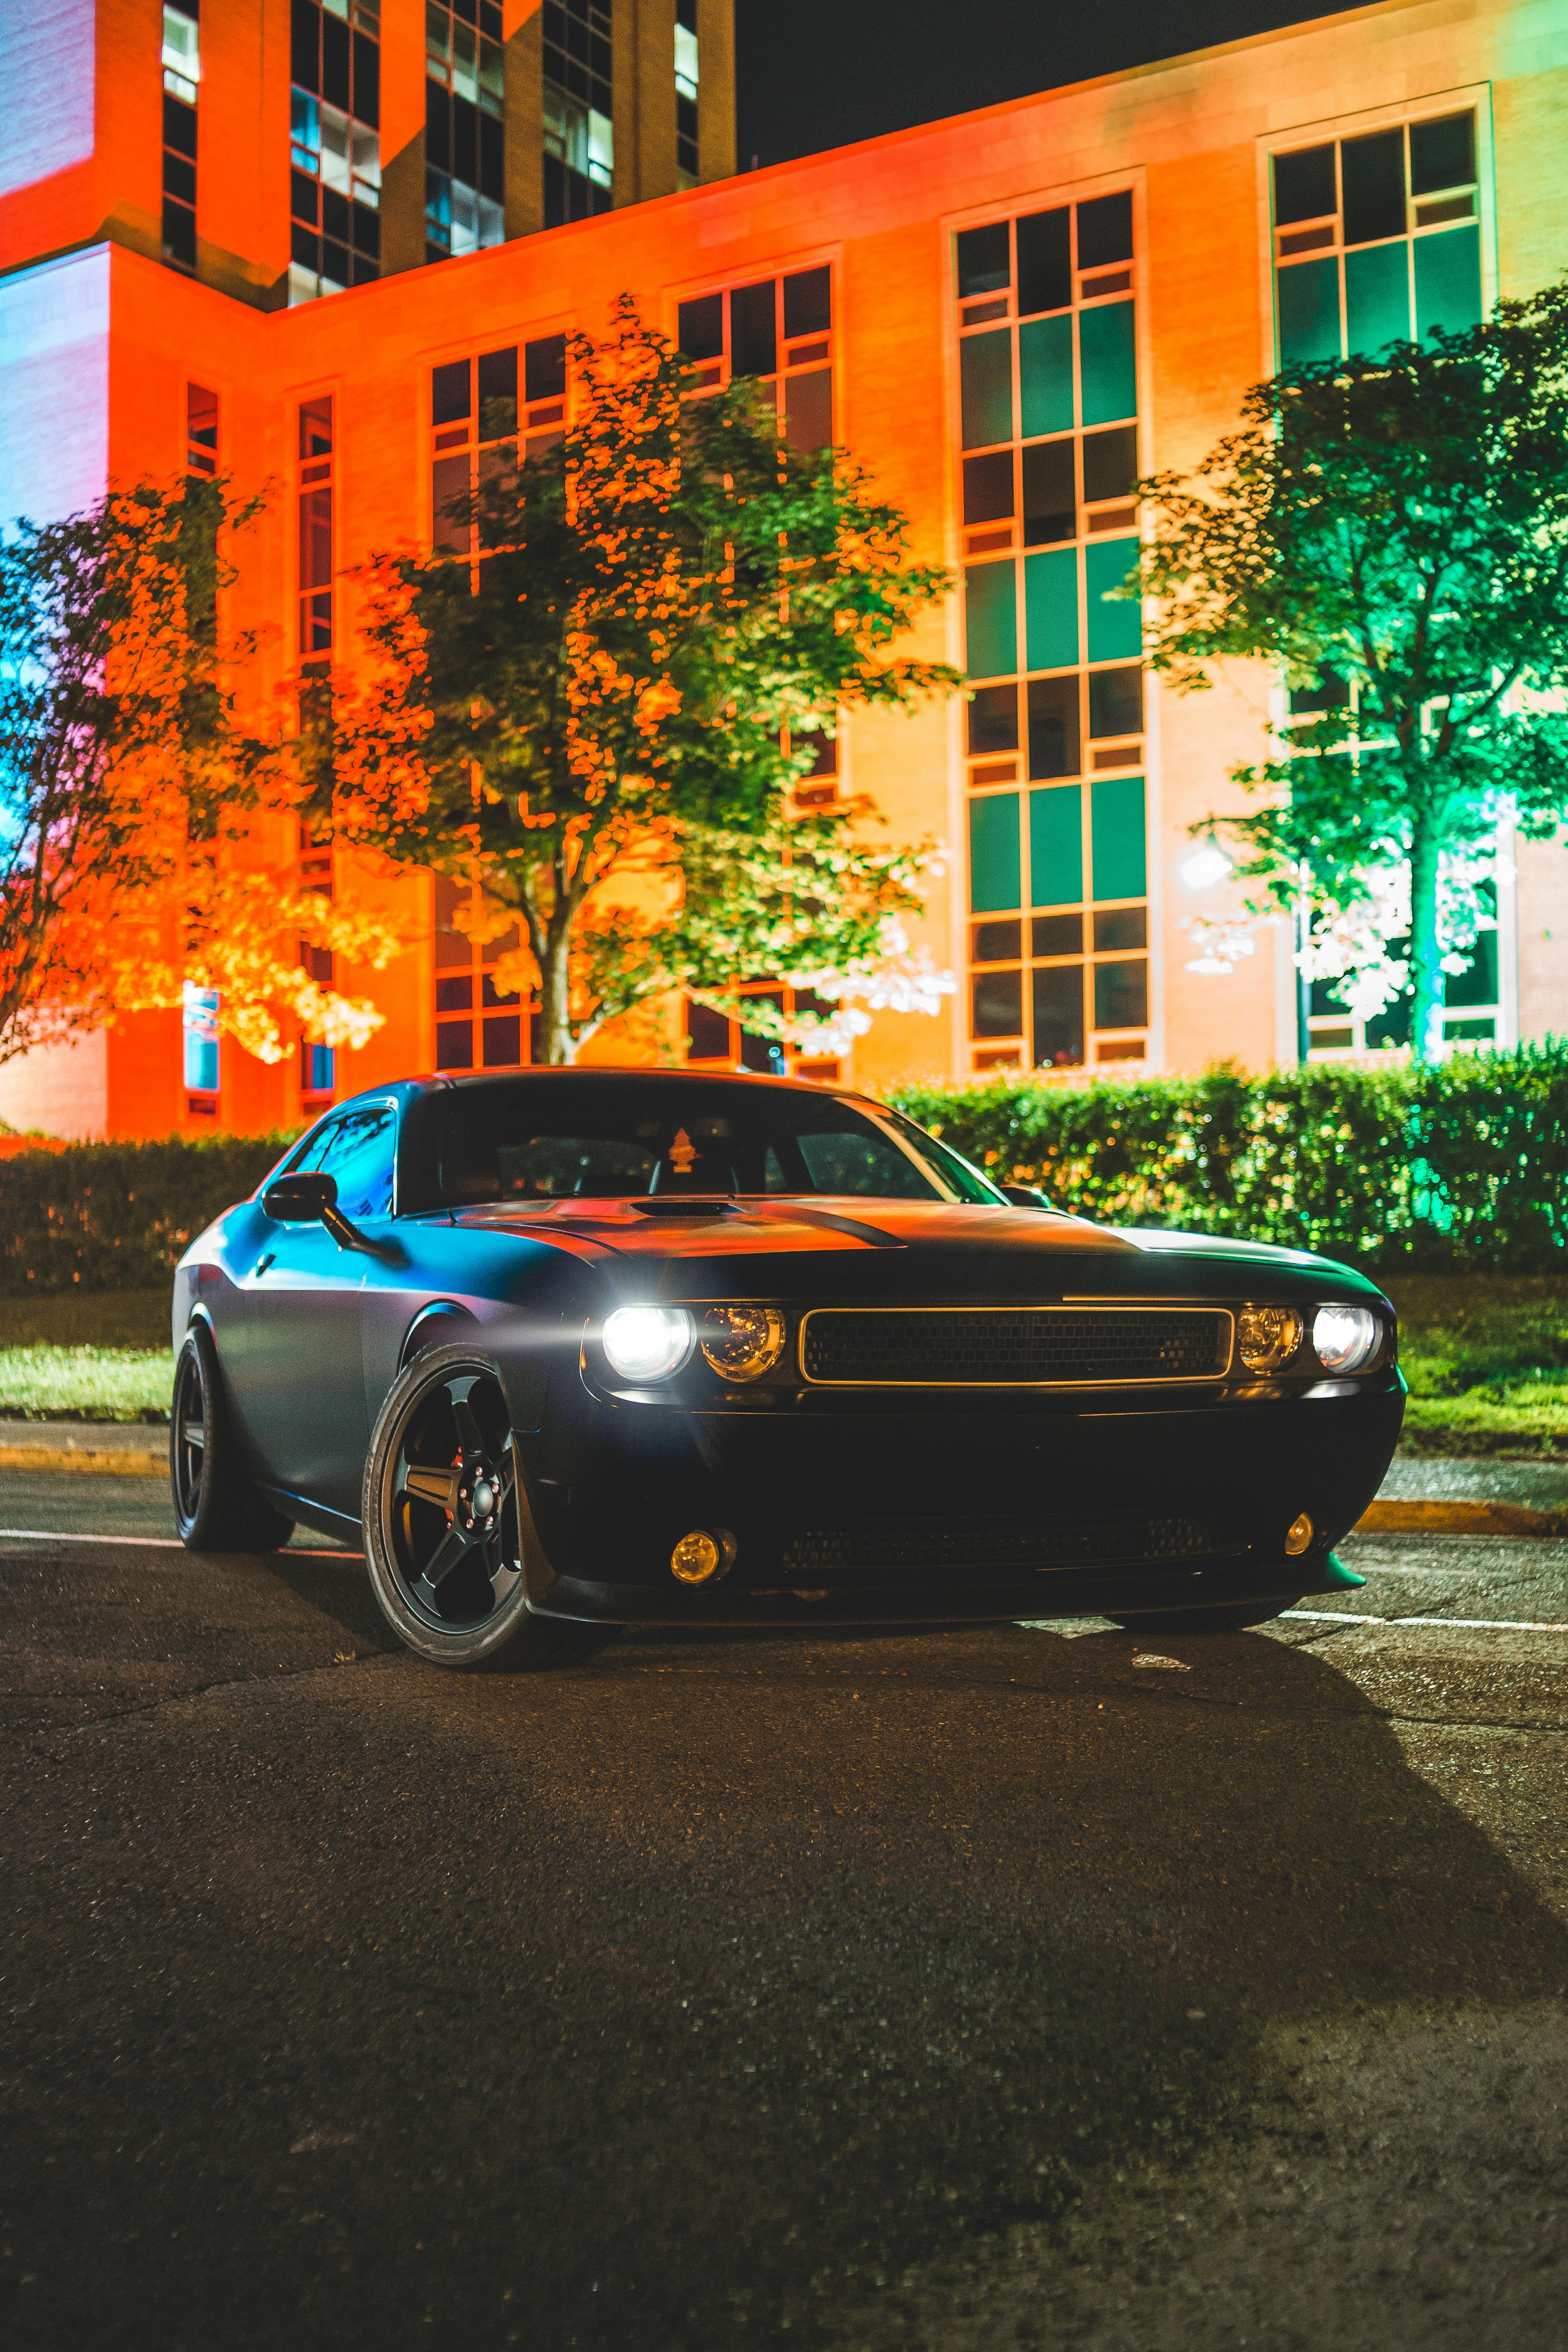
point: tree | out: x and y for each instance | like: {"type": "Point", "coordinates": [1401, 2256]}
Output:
{"type": "Point", "coordinates": [130, 793]}
{"type": "Point", "coordinates": [1393, 533]}
{"type": "Point", "coordinates": [596, 721]}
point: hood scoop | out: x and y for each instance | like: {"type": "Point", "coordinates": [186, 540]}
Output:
{"type": "Point", "coordinates": [689, 1204]}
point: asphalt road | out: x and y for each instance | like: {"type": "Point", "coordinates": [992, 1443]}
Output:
{"type": "Point", "coordinates": [938, 1992]}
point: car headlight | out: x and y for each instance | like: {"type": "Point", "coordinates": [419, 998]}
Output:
{"type": "Point", "coordinates": [647, 1343]}
{"type": "Point", "coordinates": [741, 1343]}
{"type": "Point", "coordinates": [1267, 1336]}
{"type": "Point", "coordinates": [1345, 1337]}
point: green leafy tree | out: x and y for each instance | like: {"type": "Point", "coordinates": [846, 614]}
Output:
{"type": "Point", "coordinates": [1393, 532]}
{"type": "Point", "coordinates": [596, 720]}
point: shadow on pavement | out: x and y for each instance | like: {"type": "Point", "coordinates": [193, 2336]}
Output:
{"type": "Point", "coordinates": [690, 1992]}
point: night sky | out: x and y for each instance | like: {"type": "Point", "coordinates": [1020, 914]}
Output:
{"type": "Point", "coordinates": [818, 73]}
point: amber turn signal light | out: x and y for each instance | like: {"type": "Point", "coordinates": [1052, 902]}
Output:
{"type": "Point", "coordinates": [1299, 1535]}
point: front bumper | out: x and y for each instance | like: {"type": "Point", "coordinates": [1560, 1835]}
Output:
{"type": "Point", "coordinates": [611, 1486]}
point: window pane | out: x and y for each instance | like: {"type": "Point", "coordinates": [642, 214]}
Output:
{"type": "Point", "coordinates": [1448, 282]}
{"type": "Point", "coordinates": [1374, 174]}
{"type": "Point", "coordinates": [450, 392]}
{"type": "Point", "coordinates": [1004, 943]}
{"type": "Point", "coordinates": [1050, 608]}
{"type": "Point", "coordinates": [1105, 230]}
{"type": "Point", "coordinates": [1045, 376]}
{"type": "Point", "coordinates": [1117, 822]}
{"type": "Point", "coordinates": [1114, 630]}
{"type": "Point", "coordinates": [808, 303]}
{"type": "Point", "coordinates": [754, 334]}
{"type": "Point", "coordinates": [808, 412]}
{"type": "Point", "coordinates": [360, 1158]}
{"type": "Point", "coordinates": [1059, 1017]}
{"type": "Point", "coordinates": [993, 866]}
{"type": "Point", "coordinates": [1308, 312]}
{"type": "Point", "coordinates": [1304, 185]}
{"type": "Point", "coordinates": [454, 1045]}
{"type": "Point", "coordinates": [1045, 262]}
{"type": "Point", "coordinates": [503, 1041]}
{"type": "Point", "coordinates": [997, 1005]}
{"type": "Point", "coordinates": [1120, 927]}
{"type": "Point", "coordinates": [497, 393]}
{"type": "Point", "coordinates": [983, 267]}
{"type": "Point", "coordinates": [1116, 706]}
{"type": "Point", "coordinates": [1377, 298]}
{"type": "Point", "coordinates": [993, 719]}
{"type": "Point", "coordinates": [987, 485]}
{"type": "Point", "coordinates": [1050, 502]}
{"type": "Point", "coordinates": [1480, 984]}
{"type": "Point", "coordinates": [1107, 362]}
{"type": "Point", "coordinates": [315, 538]}
{"type": "Point", "coordinates": [1121, 995]}
{"type": "Point", "coordinates": [991, 606]}
{"type": "Point", "coordinates": [707, 1034]}
{"type": "Point", "coordinates": [1055, 846]}
{"type": "Point", "coordinates": [700, 328]}
{"type": "Point", "coordinates": [985, 380]}
{"type": "Point", "coordinates": [544, 368]}
{"type": "Point", "coordinates": [1109, 464]}
{"type": "Point", "coordinates": [448, 482]}
{"type": "Point", "coordinates": [1053, 704]}
{"type": "Point", "coordinates": [1057, 935]}
{"type": "Point", "coordinates": [1442, 153]}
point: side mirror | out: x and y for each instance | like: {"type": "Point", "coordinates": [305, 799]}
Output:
{"type": "Point", "coordinates": [301, 1200]}
{"type": "Point", "coordinates": [1026, 1196]}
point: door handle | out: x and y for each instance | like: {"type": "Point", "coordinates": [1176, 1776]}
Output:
{"type": "Point", "coordinates": [262, 1263]}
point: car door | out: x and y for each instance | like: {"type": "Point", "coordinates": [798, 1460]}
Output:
{"type": "Point", "coordinates": [304, 1403]}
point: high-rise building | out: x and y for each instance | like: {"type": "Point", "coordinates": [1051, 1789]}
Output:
{"type": "Point", "coordinates": [324, 249]}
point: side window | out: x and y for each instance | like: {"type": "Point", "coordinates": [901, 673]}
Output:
{"type": "Point", "coordinates": [859, 1160]}
{"type": "Point", "coordinates": [358, 1150]}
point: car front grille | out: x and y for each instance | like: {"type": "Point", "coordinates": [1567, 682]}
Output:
{"type": "Point", "coordinates": [1013, 1347]}
{"type": "Point", "coordinates": [1003, 1546]}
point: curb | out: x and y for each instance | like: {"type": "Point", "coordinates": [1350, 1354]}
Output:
{"type": "Point", "coordinates": [102, 1463]}
{"type": "Point", "coordinates": [1457, 1518]}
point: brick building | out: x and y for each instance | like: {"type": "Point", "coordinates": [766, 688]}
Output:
{"type": "Point", "coordinates": [307, 240]}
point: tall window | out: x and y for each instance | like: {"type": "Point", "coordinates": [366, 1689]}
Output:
{"type": "Point", "coordinates": [201, 430]}
{"type": "Point", "coordinates": [686, 85]}
{"type": "Point", "coordinates": [1057, 872]}
{"type": "Point", "coordinates": [1376, 238]}
{"type": "Point", "coordinates": [478, 1025]}
{"type": "Point", "coordinates": [334, 151]}
{"type": "Point", "coordinates": [315, 509]}
{"type": "Point", "coordinates": [182, 72]}
{"type": "Point", "coordinates": [781, 332]}
{"type": "Point", "coordinates": [579, 133]}
{"type": "Point", "coordinates": [465, 97]}
{"type": "Point", "coordinates": [317, 1064]}
{"type": "Point", "coordinates": [476, 412]}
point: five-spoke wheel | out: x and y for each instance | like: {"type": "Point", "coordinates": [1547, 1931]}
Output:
{"type": "Point", "coordinates": [216, 1508]}
{"type": "Point", "coordinates": [443, 1540]}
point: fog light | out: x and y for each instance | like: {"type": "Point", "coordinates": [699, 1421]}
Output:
{"type": "Point", "coordinates": [702, 1556]}
{"type": "Point", "coordinates": [1267, 1336]}
{"type": "Point", "coordinates": [1299, 1536]}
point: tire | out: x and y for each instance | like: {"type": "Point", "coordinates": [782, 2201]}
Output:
{"type": "Point", "coordinates": [440, 1520]}
{"type": "Point", "coordinates": [217, 1507]}
{"type": "Point", "coordinates": [1206, 1621]}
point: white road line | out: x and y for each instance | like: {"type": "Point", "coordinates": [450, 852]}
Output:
{"type": "Point", "coordinates": [1475, 1624]}
{"type": "Point", "coordinates": [154, 1543]}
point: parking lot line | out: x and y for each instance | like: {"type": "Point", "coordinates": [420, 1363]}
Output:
{"type": "Point", "coordinates": [1475, 1624]}
{"type": "Point", "coordinates": [154, 1543]}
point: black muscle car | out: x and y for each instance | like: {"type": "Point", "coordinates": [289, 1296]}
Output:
{"type": "Point", "coordinates": [574, 1349]}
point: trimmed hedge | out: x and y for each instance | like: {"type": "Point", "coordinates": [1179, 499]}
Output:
{"type": "Point", "coordinates": [117, 1216]}
{"type": "Point", "coordinates": [1456, 1168]}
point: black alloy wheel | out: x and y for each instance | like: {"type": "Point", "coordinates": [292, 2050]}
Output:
{"type": "Point", "coordinates": [443, 1542]}
{"type": "Point", "coordinates": [216, 1508]}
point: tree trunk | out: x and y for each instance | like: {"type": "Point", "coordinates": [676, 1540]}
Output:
{"type": "Point", "coordinates": [554, 999]}
{"type": "Point", "coordinates": [1426, 950]}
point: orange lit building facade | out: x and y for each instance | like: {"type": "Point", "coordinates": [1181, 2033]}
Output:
{"type": "Point", "coordinates": [1007, 317]}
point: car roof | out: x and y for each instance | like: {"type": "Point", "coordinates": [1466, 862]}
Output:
{"type": "Point", "coordinates": [440, 1081]}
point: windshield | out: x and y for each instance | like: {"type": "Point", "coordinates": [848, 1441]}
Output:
{"type": "Point", "coordinates": [612, 1136]}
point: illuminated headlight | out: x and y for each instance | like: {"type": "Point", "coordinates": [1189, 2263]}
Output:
{"type": "Point", "coordinates": [647, 1343]}
{"type": "Point", "coordinates": [1267, 1336]}
{"type": "Point", "coordinates": [744, 1342]}
{"type": "Point", "coordinates": [1345, 1337]}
